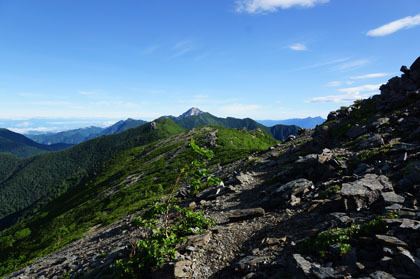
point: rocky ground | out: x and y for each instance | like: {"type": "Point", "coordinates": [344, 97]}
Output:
{"type": "Point", "coordinates": [339, 201]}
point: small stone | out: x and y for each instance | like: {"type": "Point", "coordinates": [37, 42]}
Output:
{"type": "Point", "coordinates": [244, 214]}
{"type": "Point", "coordinates": [381, 275]}
{"type": "Point", "coordinates": [391, 240]}
{"type": "Point", "coordinates": [302, 264]}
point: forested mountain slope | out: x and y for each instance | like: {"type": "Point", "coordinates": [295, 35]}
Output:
{"type": "Point", "coordinates": [37, 180]}
{"type": "Point", "coordinates": [130, 180]}
{"type": "Point", "coordinates": [21, 146]}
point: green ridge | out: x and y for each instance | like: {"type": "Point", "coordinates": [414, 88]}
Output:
{"type": "Point", "coordinates": [108, 195]}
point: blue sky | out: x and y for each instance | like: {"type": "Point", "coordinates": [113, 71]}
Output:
{"type": "Point", "coordinates": [264, 59]}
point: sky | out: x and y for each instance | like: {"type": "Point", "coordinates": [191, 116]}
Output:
{"type": "Point", "coordinates": [97, 61]}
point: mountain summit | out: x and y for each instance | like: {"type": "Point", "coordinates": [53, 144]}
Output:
{"type": "Point", "coordinates": [191, 112]}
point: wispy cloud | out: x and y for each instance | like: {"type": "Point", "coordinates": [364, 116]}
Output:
{"type": "Point", "coordinates": [33, 129]}
{"type": "Point", "coordinates": [325, 63]}
{"type": "Point", "coordinates": [362, 88]}
{"type": "Point", "coordinates": [262, 6]}
{"type": "Point", "coordinates": [182, 48]}
{"type": "Point", "coordinates": [351, 94]}
{"type": "Point", "coordinates": [334, 83]}
{"type": "Point", "coordinates": [392, 27]}
{"type": "Point", "coordinates": [375, 75]}
{"type": "Point", "coordinates": [88, 93]}
{"type": "Point", "coordinates": [351, 65]}
{"type": "Point", "coordinates": [298, 47]}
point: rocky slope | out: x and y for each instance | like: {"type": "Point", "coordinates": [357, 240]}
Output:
{"type": "Point", "coordinates": [339, 201]}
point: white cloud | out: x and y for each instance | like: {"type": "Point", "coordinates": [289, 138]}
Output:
{"type": "Point", "coordinates": [370, 76]}
{"type": "Point", "coordinates": [341, 98]}
{"type": "Point", "coordinates": [351, 94]}
{"type": "Point", "coordinates": [362, 88]}
{"type": "Point", "coordinates": [88, 93]}
{"type": "Point", "coordinates": [334, 83]}
{"type": "Point", "coordinates": [351, 65]}
{"type": "Point", "coordinates": [23, 124]}
{"type": "Point", "coordinates": [261, 6]}
{"type": "Point", "coordinates": [298, 47]}
{"type": "Point", "coordinates": [326, 63]}
{"type": "Point", "coordinates": [392, 27]}
{"type": "Point", "coordinates": [33, 129]}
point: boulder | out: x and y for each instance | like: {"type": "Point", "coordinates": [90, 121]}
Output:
{"type": "Point", "coordinates": [416, 65]}
{"type": "Point", "coordinates": [363, 192]}
{"type": "Point", "coordinates": [374, 140]}
{"type": "Point", "coordinates": [356, 131]}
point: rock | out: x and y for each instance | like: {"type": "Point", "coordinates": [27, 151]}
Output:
{"type": "Point", "coordinates": [244, 214]}
{"type": "Point", "coordinates": [200, 240]}
{"type": "Point", "coordinates": [391, 198]}
{"type": "Point", "coordinates": [404, 147]}
{"type": "Point", "coordinates": [416, 65]}
{"type": "Point", "coordinates": [301, 264]}
{"type": "Point", "coordinates": [356, 131]}
{"type": "Point", "coordinates": [363, 192]}
{"type": "Point", "coordinates": [296, 187]}
{"type": "Point", "coordinates": [403, 223]}
{"type": "Point", "coordinates": [324, 272]}
{"type": "Point", "coordinates": [381, 275]}
{"type": "Point", "coordinates": [308, 160]}
{"type": "Point", "coordinates": [374, 140]}
{"type": "Point", "coordinates": [250, 261]}
{"type": "Point", "coordinates": [391, 240]}
{"type": "Point", "coordinates": [181, 269]}
{"type": "Point", "coordinates": [413, 172]}
{"type": "Point", "coordinates": [290, 138]}
{"type": "Point", "coordinates": [153, 126]}
{"type": "Point", "coordinates": [376, 122]}
{"type": "Point", "coordinates": [362, 167]}
{"type": "Point", "coordinates": [408, 262]}
{"type": "Point", "coordinates": [244, 178]}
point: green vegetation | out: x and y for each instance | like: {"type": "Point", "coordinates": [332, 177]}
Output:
{"type": "Point", "coordinates": [279, 132]}
{"type": "Point", "coordinates": [361, 112]}
{"type": "Point", "coordinates": [330, 191]}
{"type": "Point", "coordinates": [23, 147]}
{"type": "Point", "coordinates": [342, 237]}
{"type": "Point", "coordinates": [35, 181]}
{"type": "Point", "coordinates": [368, 154]}
{"type": "Point", "coordinates": [70, 137]}
{"type": "Point", "coordinates": [127, 182]}
{"type": "Point", "coordinates": [160, 244]}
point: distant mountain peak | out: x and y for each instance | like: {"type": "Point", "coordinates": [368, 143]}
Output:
{"type": "Point", "coordinates": [191, 112]}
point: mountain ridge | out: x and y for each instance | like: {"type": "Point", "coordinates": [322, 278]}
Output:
{"type": "Point", "coordinates": [339, 201]}
{"type": "Point", "coordinates": [21, 146]}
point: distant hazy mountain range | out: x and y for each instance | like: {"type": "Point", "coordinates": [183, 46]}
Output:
{"type": "Point", "coordinates": [21, 146]}
{"type": "Point", "coordinates": [307, 123]}
{"type": "Point", "coordinates": [192, 118]}
{"type": "Point", "coordinates": [77, 136]}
